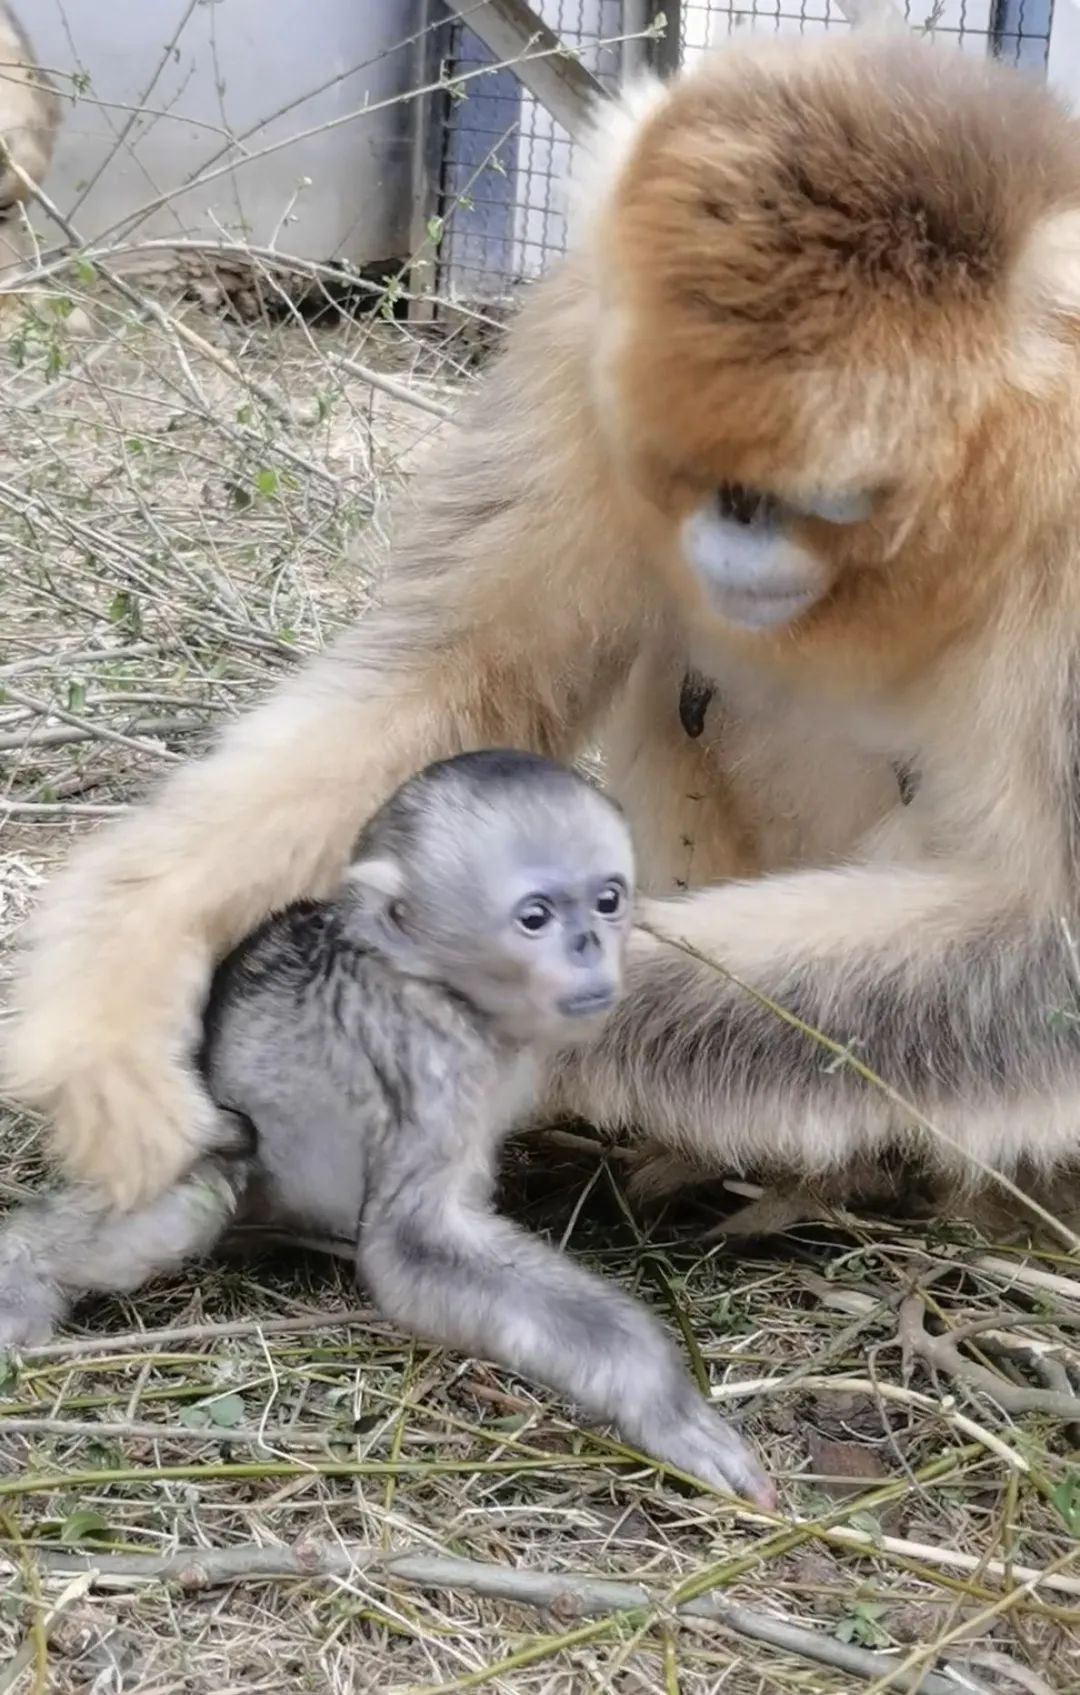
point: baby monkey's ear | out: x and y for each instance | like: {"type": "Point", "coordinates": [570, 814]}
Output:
{"type": "Point", "coordinates": [378, 882]}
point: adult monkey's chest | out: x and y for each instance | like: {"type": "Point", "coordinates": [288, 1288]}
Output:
{"type": "Point", "coordinates": [804, 781]}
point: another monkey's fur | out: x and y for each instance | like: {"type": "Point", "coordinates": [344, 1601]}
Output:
{"type": "Point", "coordinates": [29, 121]}
{"type": "Point", "coordinates": [379, 1048]}
{"type": "Point", "coordinates": [798, 415]}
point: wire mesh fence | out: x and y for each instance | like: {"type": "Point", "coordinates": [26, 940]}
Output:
{"type": "Point", "coordinates": [505, 158]}
{"type": "Point", "coordinates": [1015, 30]}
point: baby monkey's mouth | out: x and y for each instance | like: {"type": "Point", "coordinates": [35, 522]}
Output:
{"type": "Point", "coordinates": [589, 1001]}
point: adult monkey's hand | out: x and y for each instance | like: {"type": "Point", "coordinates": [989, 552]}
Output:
{"type": "Point", "coordinates": [455, 656]}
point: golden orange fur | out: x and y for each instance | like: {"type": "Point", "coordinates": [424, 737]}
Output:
{"type": "Point", "coordinates": [29, 121]}
{"type": "Point", "coordinates": [806, 274]}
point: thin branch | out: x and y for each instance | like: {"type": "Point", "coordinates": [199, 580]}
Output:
{"type": "Point", "coordinates": [174, 327]}
{"type": "Point", "coordinates": [568, 1595]}
{"type": "Point", "coordinates": [75, 656]}
{"type": "Point", "coordinates": [173, 725]}
{"type": "Point", "coordinates": [955, 1559]}
{"type": "Point", "coordinates": [77, 1346]}
{"type": "Point", "coordinates": [1029, 1277]}
{"type": "Point", "coordinates": [942, 1353]}
{"type": "Point", "coordinates": [942, 1406]}
{"type": "Point", "coordinates": [60, 808]}
{"type": "Point", "coordinates": [996, 1324]}
{"type": "Point", "coordinates": [94, 732]}
{"type": "Point", "coordinates": [122, 1430]}
{"type": "Point", "coordinates": [397, 391]}
{"type": "Point", "coordinates": [138, 110]}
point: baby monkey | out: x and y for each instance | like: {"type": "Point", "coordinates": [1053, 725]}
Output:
{"type": "Point", "coordinates": [370, 1054]}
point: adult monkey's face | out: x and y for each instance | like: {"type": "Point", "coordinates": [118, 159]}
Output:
{"type": "Point", "coordinates": [816, 368]}
{"type": "Point", "coordinates": [743, 547]}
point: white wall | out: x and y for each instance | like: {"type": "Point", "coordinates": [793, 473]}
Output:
{"type": "Point", "coordinates": [235, 64]}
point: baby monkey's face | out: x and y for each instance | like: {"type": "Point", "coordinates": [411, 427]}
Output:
{"type": "Point", "coordinates": [527, 914]}
{"type": "Point", "coordinates": [556, 964]}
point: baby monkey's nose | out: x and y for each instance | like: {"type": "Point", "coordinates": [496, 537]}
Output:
{"type": "Point", "coordinates": [584, 947]}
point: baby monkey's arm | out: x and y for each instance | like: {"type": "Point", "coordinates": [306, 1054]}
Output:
{"type": "Point", "coordinates": [440, 1262]}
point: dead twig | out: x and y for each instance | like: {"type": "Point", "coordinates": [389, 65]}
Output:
{"type": "Point", "coordinates": [943, 1406]}
{"type": "Point", "coordinates": [122, 1430]}
{"type": "Point", "coordinates": [387, 385]}
{"type": "Point", "coordinates": [60, 809]}
{"type": "Point", "coordinates": [77, 1346]}
{"type": "Point", "coordinates": [943, 1354]}
{"type": "Point", "coordinates": [566, 1594]}
{"type": "Point", "coordinates": [77, 656]}
{"type": "Point", "coordinates": [92, 731]}
{"type": "Point", "coordinates": [14, 741]}
{"type": "Point", "coordinates": [145, 307]}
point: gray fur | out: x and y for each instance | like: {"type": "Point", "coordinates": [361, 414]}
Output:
{"type": "Point", "coordinates": [370, 1054]}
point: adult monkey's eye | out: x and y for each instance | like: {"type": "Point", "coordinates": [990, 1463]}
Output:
{"type": "Point", "coordinates": [746, 506]}
{"type": "Point", "coordinates": [534, 915]}
{"type": "Point", "coordinates": [609, 902]}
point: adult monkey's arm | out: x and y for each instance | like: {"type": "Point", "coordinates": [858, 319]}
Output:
{"type": "Point", "coordinates": [509, 616]}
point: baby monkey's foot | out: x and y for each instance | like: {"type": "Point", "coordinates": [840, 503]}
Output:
{"type": "Point", "coordinates": [690, 1435]}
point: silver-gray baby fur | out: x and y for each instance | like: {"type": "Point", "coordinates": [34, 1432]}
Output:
{"type": "Point", "coordinates": [370, 1055]}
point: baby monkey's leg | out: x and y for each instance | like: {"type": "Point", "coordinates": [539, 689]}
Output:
{"type": "Point", "coordinates": [72, 1243]}
{"type": "Point", "coordinates": [440, 1263]}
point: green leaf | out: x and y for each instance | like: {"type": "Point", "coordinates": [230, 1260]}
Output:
{"type": "Point", "coordinates": [227, 1411]}
{"type": "Point", "coordinates": [224, 1411]}
{"type": "Point", "coordinates": [1066, 1498]}
{"type": "Point", "coordinates": [861, 1625]}
{"type": "Point", "coordinates": [85, 271]}
{"type": "Point", "coordinates": [510, 1422]}
{"type": "Point", "coordinates": [84, 1525]}
{"type": "Point", "coordinates": [195, 1417]}
{"type": "Point", "coordinates": [266, 481]}
{"type": "Point", "coordinates": [76, 696]}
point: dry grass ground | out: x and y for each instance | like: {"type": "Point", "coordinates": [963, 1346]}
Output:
{"type": "Point", "coordinates": [211, 1487]}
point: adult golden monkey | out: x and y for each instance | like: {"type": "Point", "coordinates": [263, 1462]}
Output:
{"type": "Point", "coordinates": [799, 415]}
{"type": "Point", "coordinates": [29, 122]}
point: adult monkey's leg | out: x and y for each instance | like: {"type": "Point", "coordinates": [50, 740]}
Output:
{"type": "Point", "coordinates": [510, 616]}
{"type": "Point", "coordinates": [942, 979]}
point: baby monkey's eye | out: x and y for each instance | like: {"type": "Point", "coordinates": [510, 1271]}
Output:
{"type": "Point", "coordinates": [609, 902]}
{"type": "Point", "coordinates": [534, 915]}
